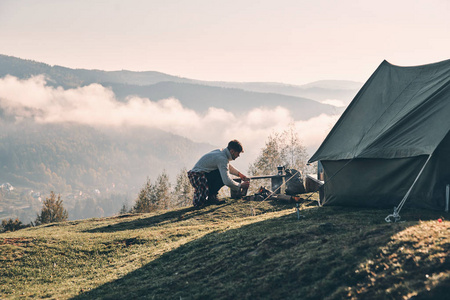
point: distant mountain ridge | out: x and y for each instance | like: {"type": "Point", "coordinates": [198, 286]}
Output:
{"type": "Point", "coordinates": [319, 90]}
{"type": "Point", "coordinates": [69, 78]}
{"type": "Point", "coordinates": [201, 97]}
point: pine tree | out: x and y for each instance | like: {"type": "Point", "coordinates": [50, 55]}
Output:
{"type": "Point", "coordinates": [183, 191]}
{"type": "Point", "coordinates": [154, 196]}
{"type": "Point", "coordinates": [146, 201]}
{"type": "Point", "coordinates": [124, 210]}
{"type": "Point", "coordinates": [52, 210]}
{"type": "Point", "coordinates": [162, 191]}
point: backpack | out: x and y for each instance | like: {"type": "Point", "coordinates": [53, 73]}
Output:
{"type": "Point", "coordinates": [294, 182]}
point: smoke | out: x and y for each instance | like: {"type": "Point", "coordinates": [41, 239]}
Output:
{"type": "Point", "coordinates": [96, 105]}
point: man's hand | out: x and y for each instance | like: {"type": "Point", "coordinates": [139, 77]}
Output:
{"type": "Point", "coordinates": [245, 184]}
{"type": "Point", "coordinates": [243, 177]}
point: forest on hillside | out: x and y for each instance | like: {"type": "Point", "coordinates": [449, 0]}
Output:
{"type": "Point", "coordinates": [84, 163]}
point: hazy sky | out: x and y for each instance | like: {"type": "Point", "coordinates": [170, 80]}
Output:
{"type": "Point", "coordinates": [290, 41]}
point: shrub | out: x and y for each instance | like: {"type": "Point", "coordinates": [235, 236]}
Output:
{"type": "Point", "coordinates": [52, 211]}
{"type": "Point", "coordinates": [12, 225]}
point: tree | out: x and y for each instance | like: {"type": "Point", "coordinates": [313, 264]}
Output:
{"type": "Point", "coordinates": [281, 149]}
{"type": "Point", "coordinates": [266, 163]}
{"type": "Point", "coordinates": [154, 196]}
{"type": "Point", "coordinates": [293, 153]}
{"type": "Point", "coordinates": [162, 191]}
{"type": "Point", "coordinates": [52, 210]}
{"type": "Point", "coordinates": [183, 191]}
{"type": "Point", "coordinates": [146, 201]}
{"type": "Point", "coordinates": [124, 210]}
{"type": "Point", "coordinates": [12, 225]}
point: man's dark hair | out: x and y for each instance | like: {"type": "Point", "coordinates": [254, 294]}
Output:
{"type": "Point", "coordinates": [235, 145]}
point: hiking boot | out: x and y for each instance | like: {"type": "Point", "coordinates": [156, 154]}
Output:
{"type": "Point", "coordinates": [212, 200]}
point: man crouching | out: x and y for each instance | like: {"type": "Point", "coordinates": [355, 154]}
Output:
{"type": "Point", "coordinates": [212, 172]}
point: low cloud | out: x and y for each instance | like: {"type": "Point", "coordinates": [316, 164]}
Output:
{"type": "Point", "coordinates": [334, 102]}
{"type": "Point", "coordinates": [96, 105]}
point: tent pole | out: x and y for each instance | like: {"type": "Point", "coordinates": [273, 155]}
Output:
{"type": "Point", "coordinates": [447, 196]}
{"type": "Point", "coordinates": [397, 209]}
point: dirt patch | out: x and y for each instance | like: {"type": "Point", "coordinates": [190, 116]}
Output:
{"type": "Point", "coordinates": [18, 242]}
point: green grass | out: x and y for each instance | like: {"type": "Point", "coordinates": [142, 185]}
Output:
{"type": "Point", "coordinates": [238, 250]}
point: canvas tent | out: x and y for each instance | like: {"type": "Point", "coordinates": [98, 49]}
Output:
{"type": "Point", "coordinates": [392, 141]}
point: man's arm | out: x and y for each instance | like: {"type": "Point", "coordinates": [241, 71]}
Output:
{"type": "Point", "coordinates": [233, 170]}
{"type": "Point", "coordinates": [225, 170]}
{"type": "Point", "coordinates": [236, 172]}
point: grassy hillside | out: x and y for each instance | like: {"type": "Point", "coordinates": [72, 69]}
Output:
{"type": "Point", "coordinates": [237, 250]}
